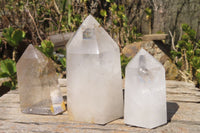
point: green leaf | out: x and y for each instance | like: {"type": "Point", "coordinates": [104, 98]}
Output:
{"type": "Point", "coordinates": [198, 70]}
{"type": "Point", "coordinates": [63, 62]}
{"type": "Point", "coordinates": [189, 46]}
{"type": "Point", "coordinates": [148, 11]}
{"type": "Point", "coordinates": [47, 47]}
{"type": "Point", "coordinates": [13, 37]}
{"type": "Point", "coordinates": [4, 68]}
{"type": "Point", "coordinates": [8, 70]}
{"type": "Point", "coordinates": [192, 34]}
{"type": "Point", "coordinates": [121, 8]}
{"type": "Point", "coordinates": [185, 27]}
{"type": "Point", "coordinates": [7, 32]}
{"type": "Point", "coordinates": [8, 67]}
{"type": "Point", "coordinates": [181, 44]}
{"type": "Point", "coordinates": [179, 64]}
{"type": "Point", "coordinates": [17, 37]}
{"type": "Point", "coordinates": [9, 84]}
{"type": "Point", "coordinates": [197, 51]}
{"type": "Point", "coordinates": [103, 13]}
{"type": "Point", "coordinates": [189, 53]}
{"type": "Point", "coordinates": [43, 44]}
{"type": "Point", "coordinates": [4, 75]}
{"type": "Point", "coordinates": [197, 74]}
{"type": "Point", "coordinates": [115, 22]}
{"type": "Point", "coordinates": [185, 37]}
{"type": "Point", "coordinates": [108, 1]}
{"type": "Point", "coordinates": [196, 62]}
{"type": "Point", "coordinates": [124, 62]}
{"type": "Point", "coordinates": [64, 6]}
{"type": "Point", "coordinates": [61, 51]}
{"type": "Point", "coordinates": [113, 8]}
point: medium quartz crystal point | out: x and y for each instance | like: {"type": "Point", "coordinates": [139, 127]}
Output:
{"type": "Point", "coordinates": [93, 75]}
{"type": "Point", "coordinates": [38, 84]}
{"type": "Point", "coordinates": [145, 92]}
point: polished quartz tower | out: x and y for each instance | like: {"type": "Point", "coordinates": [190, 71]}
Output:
{"type": "Point", "coordinates": [93, 75]}
{"type": "Point", "coordinates": [145, 92]}
{"type": "Point", "coordinates": [38, 84]}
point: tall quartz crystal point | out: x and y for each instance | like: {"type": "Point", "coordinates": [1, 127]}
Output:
{"type": "Point", "coordinates": [38, 84]}
{"type": "Point", "coordinates": [145, 92]}
{"type": "Point", "coordinates": [93, 75]}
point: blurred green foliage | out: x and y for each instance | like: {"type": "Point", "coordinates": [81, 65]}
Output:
{"type": "Point", "coordinates": [8, 70]}
{"type": "Point", "coordinates": [39, 18]}
{"type": "Point", "coordinates": [47, 47]}
{"type": "Point", "coordinates": [31, 22]}
{"type": "Point", "coordinates": [187, 53]}
{"type": "Point", "coordinates": [124, 61]}
{"type": "Point", "coordinates": [13, 36]}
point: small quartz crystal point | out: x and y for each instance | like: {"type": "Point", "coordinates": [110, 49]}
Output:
{"type": "Point", "coordinates": [38, 84]}
{"type": "Point", "coordinates": [145, 92]}
{"type": "Point", "coordinates": [93, 75]}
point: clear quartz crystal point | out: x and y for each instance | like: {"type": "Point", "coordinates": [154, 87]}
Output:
{"type": "Point", "coordinates": [145, 92]}
{"type": "Point", "coordinates": [93, 75]}
{"type": "Point", "coordinates": [38, 84]}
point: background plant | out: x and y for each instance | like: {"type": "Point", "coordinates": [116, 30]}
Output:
{"type": "Point", "coordinates": [12, 37]}
{"type": "Point", "coordinates": [187, 54]}
{"type": "Point", "coordinates": [8, 70]}
{"type": "Point", "coordinates": [124, 61]}
{"type": "Point", "coordinates": [41, 18]}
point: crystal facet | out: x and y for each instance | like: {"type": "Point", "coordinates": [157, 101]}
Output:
{"type": "Point", "coordinates": [93, 75]}
{"type": "Point", "coordinates": [38, 84]}
{"type": "Point", "coordinates": [145, 92]}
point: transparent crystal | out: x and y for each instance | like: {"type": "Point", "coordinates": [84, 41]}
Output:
{"type": "Point", "coordinates": [145, 92]}
{"type": "Point", "coordinates": [38, 84]}
{"type": "Point", "coordinates": [93, 75]}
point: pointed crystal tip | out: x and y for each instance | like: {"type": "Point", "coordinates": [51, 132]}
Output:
{"type": "Point", "coordinates": [90, 20]}
{"type": "Point", "coordinates": [141, 59]}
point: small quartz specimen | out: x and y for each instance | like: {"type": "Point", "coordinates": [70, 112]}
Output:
{"type": "Point", "coordinates": [38, 84]}
{"type": "Point", "coordinates": [93, 75]}
{"type": "Point", "coordinates": [145, 92]}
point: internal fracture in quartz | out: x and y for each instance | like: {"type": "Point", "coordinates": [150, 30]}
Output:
{"type": "Point", "coordinates": [38, 84]}
{"type": "Point", "coordinates": [145, 92]}
{"type": "Point", "coordinates": [93, 75]}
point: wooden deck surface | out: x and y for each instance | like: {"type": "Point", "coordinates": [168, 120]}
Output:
{"type": "Point", "coordinates": [183, 107]}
